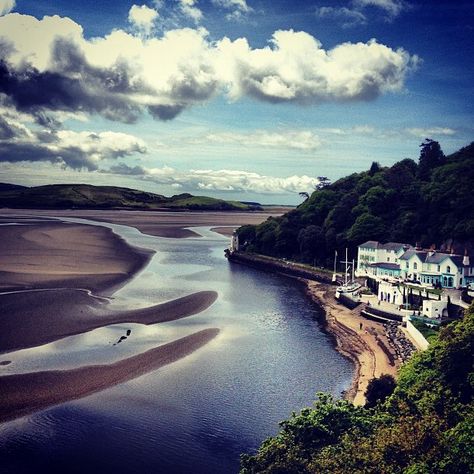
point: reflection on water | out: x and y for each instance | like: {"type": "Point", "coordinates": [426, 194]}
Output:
{"type": "Point", "coordinates": [196, 415]}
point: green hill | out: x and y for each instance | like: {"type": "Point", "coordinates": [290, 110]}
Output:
{"type": "Point", "coordinates": [425, 426]}
{"type": "Point", "coordinates": [86, 196]}
{"type": "Point", "coordinates": [429, 202]}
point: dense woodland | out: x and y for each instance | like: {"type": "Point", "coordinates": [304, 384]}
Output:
{"type": "Point", "coordinates": [429, 202]}
{"type": "Point", "coordinates": [423, 425]}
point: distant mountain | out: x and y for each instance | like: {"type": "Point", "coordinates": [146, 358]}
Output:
{"type": "Point", "coordinates": [430, 203]}
{"type": "Point", "coordinates": [86, 196]}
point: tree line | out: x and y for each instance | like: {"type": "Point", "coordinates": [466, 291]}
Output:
{"type": "Point", "coordinates": [428, 202]}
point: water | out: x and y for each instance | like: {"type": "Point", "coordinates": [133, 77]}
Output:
{"type": "Point", "coordinates": [198, 414]}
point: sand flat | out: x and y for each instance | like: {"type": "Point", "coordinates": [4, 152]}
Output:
{"type": "Point", "coordinates": [25, 393]}
{"type": "Point", "coordinates": [54, 254]}
{"type": "Point", "coordinates": [159, 223]}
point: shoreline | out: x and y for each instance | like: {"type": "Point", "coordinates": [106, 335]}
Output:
{"type": "Point", "coordinates": [366, 348]}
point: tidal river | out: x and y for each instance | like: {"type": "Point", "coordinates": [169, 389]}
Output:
{"type": "Point", "coordinates": [200, 413]}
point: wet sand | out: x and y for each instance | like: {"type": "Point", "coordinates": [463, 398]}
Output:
{"type": "Point", "coordinates": [34, 318]}
{"type": "Point", "coordinates": [366, 347]}
{"type": "Point", "coordinates": [159, 223]}
{"type": "Point", "coordinates": [50, 254]}
{"type": "Point", "coordinates": [25, 393]}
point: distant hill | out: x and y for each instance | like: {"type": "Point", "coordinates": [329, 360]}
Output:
{"type": "Point", "coordinates": [430, 203]}
{"type": "Point", "coordinates": [86, 196]}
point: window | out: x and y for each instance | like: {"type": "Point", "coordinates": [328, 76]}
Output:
{"type": "Point", "coordinates": [388, 259]}
{"type": "Point", "coordinates": [407, 265]}
{"type": "Point", "coordinates": [415, 266]}
{"type": "Point", "coordinates": [448, 269]}
{"type": "Point", "coordinates": [439, 268]}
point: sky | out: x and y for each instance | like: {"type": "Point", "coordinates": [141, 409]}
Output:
{"type": "Point", "coordinates": [238, 99]}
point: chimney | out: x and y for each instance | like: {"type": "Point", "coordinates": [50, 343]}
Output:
{"type": "Point", "coordinates": [465, 260]}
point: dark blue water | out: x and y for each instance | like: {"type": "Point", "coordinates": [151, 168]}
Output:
{"type": "Point", "coordinates": [198, 414]}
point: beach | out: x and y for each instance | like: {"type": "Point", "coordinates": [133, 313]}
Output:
{"type": "Point", "coordinates": [366, 346]}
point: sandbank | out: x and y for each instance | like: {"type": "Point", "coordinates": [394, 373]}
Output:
{"type": "Point", "coordinates": [25, 393]}
{"type": "Point", "coordinates": [30, 319]}
{"type": "Point", "coordinates": [50, 254]}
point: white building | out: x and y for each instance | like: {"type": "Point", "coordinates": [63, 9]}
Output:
{"type": "Point", "coordinates": [377, 259]}
{"type": "Point", "coordinates": [402, 261]}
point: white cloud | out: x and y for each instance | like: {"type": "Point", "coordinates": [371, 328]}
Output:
{"type": "Point", "coordinates": [78, 150]}
{"type": "Point", "coordinates": [143, 18]}
{"type": "Point", "coordinates": [430, 132]}
{"type": "Point", "coordinates": [189, 8]}
{"type": "Point", "coordinates": [220, 180]}
{"type": "Point", "coordinates": [6, 6]}
{"type": "Point", "coordinates": [121, 74]}
{"type": "Point", "coordinates": [297, 140]}
{"type": "Point", "coordinates": [392, 7]}
{"type": "Point", "coordinates": [238, 8]}
{"type": "Point", "coordinates": [348, 17]}
{"type": "Point", "coordinates": [296, 68]}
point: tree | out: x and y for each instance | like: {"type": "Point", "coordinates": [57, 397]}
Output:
{"type": "Point", "coordinates": [304, 195]}
{"type": "Point", "coordinates": [324, 182]}
{"type": "Point", "coordinates": [374, 168]}
{"type": "Point", "coordinates": [431, 156]}
{"type": "Point", "coordinates": [379, 389]}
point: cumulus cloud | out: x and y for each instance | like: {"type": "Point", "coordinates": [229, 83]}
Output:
{"type": "Point", "coordinates": [294, 140]}
{"type": "Point", "coordinates": [78, 150]}
{"type": "Point", "coordinates": [219, 180]}
{"type": "Point", "coordinates": [295, 68]}
{"type": "Point", "coordinates": [143, 18]}
{"type": "Point", "coordinates": [6, 6]}
{"type": "Point", "coordinates": [189, 8]}
{"type": "Point", "coordinates": [121, 75]}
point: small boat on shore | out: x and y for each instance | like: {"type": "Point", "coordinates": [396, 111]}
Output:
{"type": "Point", "coordinates": [349, 288]}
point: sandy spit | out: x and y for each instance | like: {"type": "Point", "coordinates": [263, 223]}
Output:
{"type": "Point", "coordinates": [26, 393]}
{"type": "Point", "coordinates": [34, 318]}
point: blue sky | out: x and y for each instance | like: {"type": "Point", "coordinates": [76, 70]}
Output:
{"type": "Point", "coordinates": [238, 99]}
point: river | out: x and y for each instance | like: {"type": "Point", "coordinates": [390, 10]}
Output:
{"type": "Point", "coordinates": [198, 414]}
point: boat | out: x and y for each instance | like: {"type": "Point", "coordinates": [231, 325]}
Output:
{"type": "Point", "coordinates": [349, 288]}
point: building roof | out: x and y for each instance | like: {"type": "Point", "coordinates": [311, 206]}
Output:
{"type": "Point", "coordinates": [373, 244]}
{"type": "Point", "coordinates": [411, 252]}
{"type": "Point", "coordinates": [395, 246]}
{"type": "Point", "coordinates": [386, 265]}
{"type": "Point", "coordinates": [370, 244]}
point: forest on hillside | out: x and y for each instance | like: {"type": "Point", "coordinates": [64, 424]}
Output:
{"type": "Point", "coordinates": [428, 202]}
{"type": "Point", "coordinates": [423, 424]}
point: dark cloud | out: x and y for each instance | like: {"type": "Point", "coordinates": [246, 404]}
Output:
{"type": "Point", "coordinates": [77, 88]}
{"type": "Point", "coordinates": [123, 169]}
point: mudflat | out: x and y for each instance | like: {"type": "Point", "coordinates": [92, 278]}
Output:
{"type": "Point", "coordinates": [161, 223]}
{"type": "Point", "coordinates": [25, 393]}
{"type": "Point", "coordinates": [51, 254]}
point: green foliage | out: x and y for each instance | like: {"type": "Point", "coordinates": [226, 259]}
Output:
{"type": "Point", "coordinates": [86, 196]}
{"type": "Point", "coordinates": [425, 426]}
{"type": "Point", "coordinates": [429, 203]}
{"type": "Point", "coordinates": [379, 389]}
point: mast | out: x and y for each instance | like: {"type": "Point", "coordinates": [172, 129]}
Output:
{"type": "Point", "coordinates": [334, 276]}
{"type": "Point", "coordinates": [353, 266]}
{"type": "Point", "coordinates": [345, 275]}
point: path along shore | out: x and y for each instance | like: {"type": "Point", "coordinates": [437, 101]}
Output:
{"type": "Point", "coordinates": [361, 340]}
